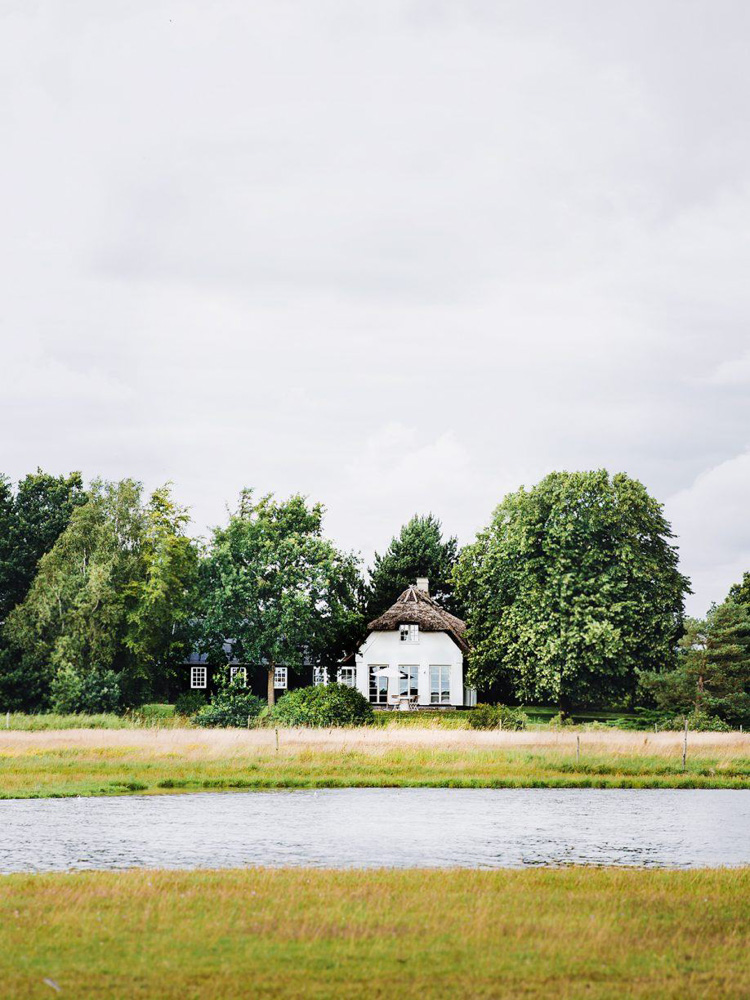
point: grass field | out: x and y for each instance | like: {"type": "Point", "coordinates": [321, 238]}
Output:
{"type": "Point", "coordinates": [539, 933]}
{"type": "Point", "coordinates": [102, 762]}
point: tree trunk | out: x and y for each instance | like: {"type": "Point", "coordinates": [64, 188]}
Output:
{"type": "Point", "coordinates": [271, 689]}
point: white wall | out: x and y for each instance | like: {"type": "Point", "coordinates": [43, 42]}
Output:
{"type": "Point", "coordinates": [385, 649]}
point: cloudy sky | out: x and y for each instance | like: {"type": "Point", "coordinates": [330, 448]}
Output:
{"type": "Point", "coordinates": [400, 255]}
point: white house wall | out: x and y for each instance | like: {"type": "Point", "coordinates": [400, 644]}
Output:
{"type": "Point", "coordinates": [386, 649]}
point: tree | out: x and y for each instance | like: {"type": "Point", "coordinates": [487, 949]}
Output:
{"type": "Point", "coordinates": [102, 605]}
{"type": "Point", "coordinates": [418, 550]}
{"type": "Point", "coordinates": [160, 597]}
{"type": "Point", "coordinates": [31, 520]}
{"type": "Point", "coordinates": [712, 676]}
{"type": "Point", "coordinates": [572, 590]}
{"type": "Point", "coordinates": [276, 588]}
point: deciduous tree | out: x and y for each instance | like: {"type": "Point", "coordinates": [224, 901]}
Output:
{"type": "Point", "coordinates": [572, 590]}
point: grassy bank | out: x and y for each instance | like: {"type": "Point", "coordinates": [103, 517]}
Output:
{"type": "Point", "coordinates": [291, 933]}
{"type": "Point", "coordinates": [116, 762]}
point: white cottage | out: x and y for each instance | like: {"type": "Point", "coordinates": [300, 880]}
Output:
{"type": "Point", "coordinates": [413, 655]}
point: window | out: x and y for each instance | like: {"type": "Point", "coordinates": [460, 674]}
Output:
{"type": "Point", "coordinates": [279, 677]}
{"type": "Point", "coordinates": [320, 676]}
{"type": "Point", "coordinates": [347, 676]}
{"type": "Point", "coordinates": [440, 685]}
{"type": "Point", "coordinates": [238, 676]}
{"type": "Point", "coordinates": [409, 633]}
{"type": "Point", "coordinates": [198, 677]}
{"type": "Point", "coordinates": [378, 685]}
{"type": "Point", "coordinates": [408, 684]}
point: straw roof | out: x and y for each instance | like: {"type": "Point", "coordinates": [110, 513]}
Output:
{"type": "Point", "coordinates": [415, 607]}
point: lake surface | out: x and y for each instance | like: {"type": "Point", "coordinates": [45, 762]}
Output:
{"type": "Point", "coordinates": [374, 827]}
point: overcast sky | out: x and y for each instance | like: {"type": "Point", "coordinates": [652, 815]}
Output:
{"type": "Point", "coordinates": [400, 256]}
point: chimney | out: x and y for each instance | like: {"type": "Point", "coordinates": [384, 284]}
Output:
{"type": "Point", "coordinates": [423, 584]}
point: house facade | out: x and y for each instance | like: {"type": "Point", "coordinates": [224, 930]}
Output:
{"type": "Point", "coordinates": [414, 655]}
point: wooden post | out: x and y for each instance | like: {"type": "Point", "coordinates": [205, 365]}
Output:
{"type": "Point", "coordinates": [578, 749]}
{"type": "Point", "coordinates": [684, 746]}
{"type": "Point", "coordinates": [277, 740]}
{"type": "Point", "coordinates": [7, 721]}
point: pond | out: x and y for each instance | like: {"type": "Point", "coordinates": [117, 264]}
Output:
{"type": "Point", "coordinates": [377, 827]}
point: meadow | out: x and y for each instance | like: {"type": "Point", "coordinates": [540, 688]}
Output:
{"type": "Point", "coordinates": [599, 933]}
{"type": "Point", "coordinates": [162, 761]}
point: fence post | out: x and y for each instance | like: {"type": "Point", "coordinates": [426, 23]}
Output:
{"type": "Point", "coordinates": [277, 739]}
{"type": "Point", "coordinates": [684, 746]}
{"type": "Point", "coordinates": [578, 749]}
{"type": "Point", "coordinates": [7, 721]}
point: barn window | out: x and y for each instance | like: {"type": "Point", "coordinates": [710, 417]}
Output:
{"type": "Point", "coordinates": [320, 676]}
{"type": "Point", "coordinates": [280, 677]}
{"type": "Point", "coordinates": [346, 676]}
{"type": "Point", "coordinates": [198, 677]}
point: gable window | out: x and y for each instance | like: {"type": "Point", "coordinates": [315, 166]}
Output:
{"type": "Point", "coordinates": [409, 633]}
{"type": "Point", "coordinates": [279, 677]}
{"type": "Point", "coordinates": [440, 685]}
{"type": "Point", "coordinates": [198, 677]}
{"type": "Point", "coordinates": [238, 676]}
{"type": "Point", "coordinates": [378, 685]}
{"type": "Point", "coordinates": [346, 676]}
{"type": "Point", "coordinates": [320, 676]}
{"type": "Point", "coordinates": [408, 684]}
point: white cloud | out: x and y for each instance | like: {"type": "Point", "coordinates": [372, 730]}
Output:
{"type": "Point", "coordinates": [243, 241]}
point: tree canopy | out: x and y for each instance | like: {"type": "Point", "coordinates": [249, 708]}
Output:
{"type": "Point", "coordinates": [96, 614]}
{"type": "Point", "coordinates": [418, 550]}
{"type": "Point", "coordinates": [572, 590]}
{"type": "Point", "coordinates": [276, 588]}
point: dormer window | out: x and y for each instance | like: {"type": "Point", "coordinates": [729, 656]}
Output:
{"type": "Point", "coordinates": [409, 633]}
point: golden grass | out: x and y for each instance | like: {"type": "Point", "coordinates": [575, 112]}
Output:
{"type": "Point", "coordinates": [90, 762]}
{"type": "Point", "coordinates": [333, 934]}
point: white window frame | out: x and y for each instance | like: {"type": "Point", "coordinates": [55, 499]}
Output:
{"type": "Point", "coordinates": [441, 696]}
{"type": "Point", "coordinates": [280, 678]}
{"type": "Point", "coordinates": [198, 678]}
{"type": "Point", "coordinates": [409, 633]}
{"type": "Point", "coordinates": [410, 680]}
{"type": "Point", "coordinates": [241, 672]}
{"type": "Point", "coordinates": [320, 676]}
{"type": "Point", "coordinates": [347, 676]}
{"type": "Point", "coordinates": [375, 694]}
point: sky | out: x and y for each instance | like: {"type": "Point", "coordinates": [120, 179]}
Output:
{"type": "Point", "coordinates": [398, 255]}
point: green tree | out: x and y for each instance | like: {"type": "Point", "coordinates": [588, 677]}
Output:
{"type": "Point", "coordinates": [160, 597]}
{"type": "Point", "coordinates": [107, 604]}
{"type": "Point", "coordinates": [572, 590]}
{"type": "Point", "coordinates": [712, 676]}
{"type": "Point", "coordinates": [31, 520]}
{"type": "Point", "coordinates": [276, 588]}
{"type": "Point", "coordinates": [418, 550]}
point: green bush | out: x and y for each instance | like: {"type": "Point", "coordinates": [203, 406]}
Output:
{"type": "Point", "coordinates": [189, 702]}
{"type": "Point", "coordinates": [156, 712]}
{"type": "Point", "coordinates": [700, 722]}
{"type": "Point", "coordinates": [497, 717]}
{"type": "Point", "coordinates": [230, 706]}
{"type": "Point", "coordinates": [324, 705]}
{"type": "Point", "coordinates": [95, 692]}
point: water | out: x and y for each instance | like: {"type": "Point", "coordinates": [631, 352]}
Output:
{"type": "Point", "coordinates": [372, 827]}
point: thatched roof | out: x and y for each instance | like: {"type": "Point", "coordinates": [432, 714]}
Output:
{"type": "Point", "coordinates": [415, 607]}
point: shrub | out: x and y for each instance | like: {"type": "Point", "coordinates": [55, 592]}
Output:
{"type": "Point", "coordinates": [701, 722]}
{"type": "Point", "coordinates": [189, 702]}
{"type": "Point", "coordinates": [324, 705]}
{"type": "Point", "coordinates": [231, 706]}
{"type": "Point", "coordinates": [155, 712]}
{"type": "Point", "coordinates": [94, 692]}
{"type": "Point", "coordinates": [497, 717]}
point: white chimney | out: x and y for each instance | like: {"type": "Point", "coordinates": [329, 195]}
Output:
{"type": "Point", "coordinates": [423, 584]}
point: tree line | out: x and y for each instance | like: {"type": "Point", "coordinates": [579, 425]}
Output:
{"type": "Point", "coordinates": [572, 595]}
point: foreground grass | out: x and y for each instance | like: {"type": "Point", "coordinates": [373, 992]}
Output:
{"type": "Point", "coordinates": [152, 768]}
{"type": "Point", "coordinates": [602, 933]}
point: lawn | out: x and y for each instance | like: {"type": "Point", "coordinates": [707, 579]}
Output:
{"type": "Point", "coordinates": [598, 933]}
{"type": "Point", "coordinates": [106, 762]}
